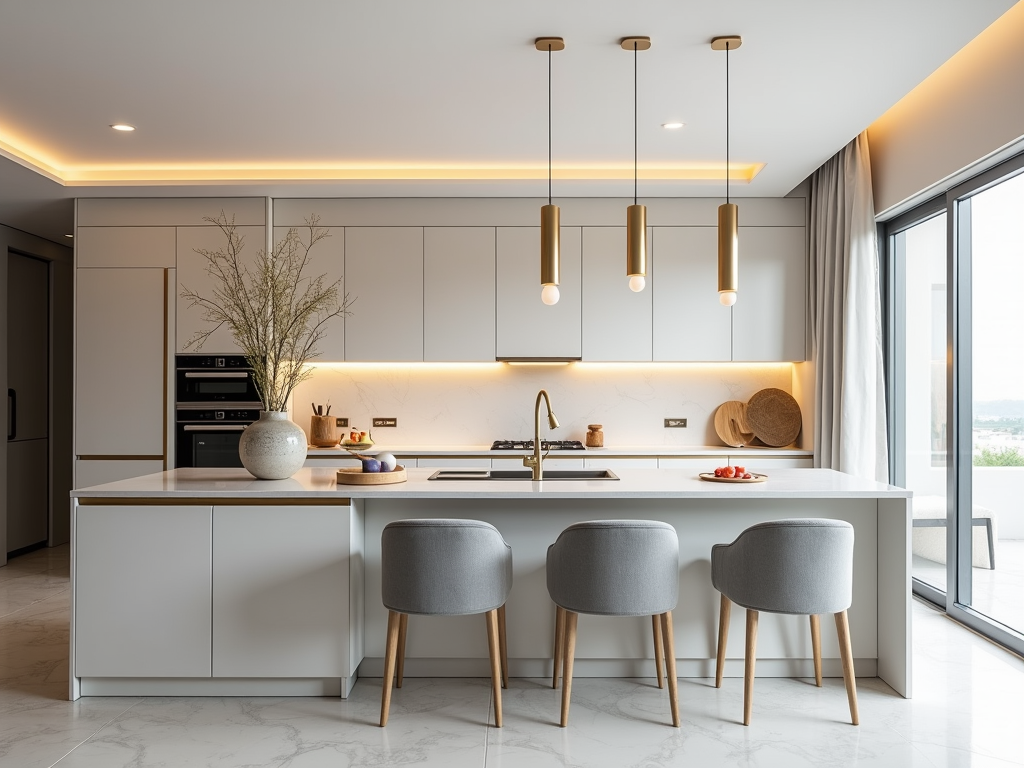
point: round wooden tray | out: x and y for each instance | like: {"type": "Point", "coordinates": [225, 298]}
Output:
{"type": "Point", "coordinates": [731, 424]}
{"type": "Point", "coordinates": [356, 476]}
{"type": "Point", "coordinates": [754, 478]}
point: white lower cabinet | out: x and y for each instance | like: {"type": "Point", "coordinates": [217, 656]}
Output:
{"type": "Point", "coordinates": [638, 463]}
{"type": "Point", "coordinates": [550, 463]}
{"type": "Point", "coordinates": [280, 578]}
{"type": "Point", "coordinates": [142, 584]}
{"type": "Point", "coordinates": [456, 463]}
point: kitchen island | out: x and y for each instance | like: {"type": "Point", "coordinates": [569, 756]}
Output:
{"type": "Point", "coordinates": [207, 581]}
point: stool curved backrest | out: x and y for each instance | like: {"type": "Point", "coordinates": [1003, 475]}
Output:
{"type": "Point", "coordinates": [801, 566]}
{"type": "Point", "coordinates": [444, 567]}
{"type": "Point", "coordinates": [615, 568]}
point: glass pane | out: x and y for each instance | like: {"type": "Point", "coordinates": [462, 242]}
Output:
{"type": "Point", "coordinates": [997, 387]}
{"type": "Point", "coordinates": [924, 409]}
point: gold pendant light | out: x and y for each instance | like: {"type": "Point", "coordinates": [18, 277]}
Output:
{"type": "Point", "coordinates": [636, 215]}
{"type": "Point", "coordinates": [728, 214]}
{"type": "Point", "coordinates": [549, 218]}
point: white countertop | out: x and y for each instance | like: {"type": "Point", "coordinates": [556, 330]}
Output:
{"type": "Point", "coordinates": [633, 484]}
{"type": "Point", "coordinates": [476, 451]}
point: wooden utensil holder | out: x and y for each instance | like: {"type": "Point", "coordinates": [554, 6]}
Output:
{"type": "Point", "coordinates": [322, 432]}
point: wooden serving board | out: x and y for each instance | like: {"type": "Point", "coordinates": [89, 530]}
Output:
{"type": "Point", "coordinates": [356, 476]}
{"type": "Point", "coordinates": [731, 424]}
{"type": "Point", "coordinates": [754, 478]}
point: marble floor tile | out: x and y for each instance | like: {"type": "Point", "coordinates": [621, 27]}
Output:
{"type": "Point", "coordinates": [967, 710]}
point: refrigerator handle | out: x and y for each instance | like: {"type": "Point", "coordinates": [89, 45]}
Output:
{"type": "Point", "coordinates": [12, 414]}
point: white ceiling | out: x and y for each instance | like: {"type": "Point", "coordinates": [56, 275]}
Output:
{"type": "Point", "coordinates": [310, 97]}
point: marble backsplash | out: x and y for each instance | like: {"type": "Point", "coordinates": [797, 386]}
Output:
{"type": "Point", "coordinates": [457, 404]}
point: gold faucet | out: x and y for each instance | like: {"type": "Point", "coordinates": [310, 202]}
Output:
{"type": "Point", "coordinates": [536, 461]}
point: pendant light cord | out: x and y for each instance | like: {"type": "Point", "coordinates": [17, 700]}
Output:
{"type": "Point", "coordinates": [727, 122]}
{"type": "Point", "coordinates": [549, 123]}
{"type": "Point", "coordinates": [635, 102]}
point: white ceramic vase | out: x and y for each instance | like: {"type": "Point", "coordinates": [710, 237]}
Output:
{"type": "Point", "coordinates": [274, 447]}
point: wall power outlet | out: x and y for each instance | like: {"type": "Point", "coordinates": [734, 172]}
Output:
{"type": "Point", "coordinates": [341, 421]}
{"type": "Point", "coordinates": [675, 423]}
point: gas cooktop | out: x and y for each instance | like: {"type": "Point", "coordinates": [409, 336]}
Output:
{"type": "Point", "coordinates": [545, 445]}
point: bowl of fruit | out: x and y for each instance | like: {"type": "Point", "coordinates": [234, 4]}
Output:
{"type": "Point", "coordinates": [357, 439]}
{"type": "Point", "coordinates": [734, 474]}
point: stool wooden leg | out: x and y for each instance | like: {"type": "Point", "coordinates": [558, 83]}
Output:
{"type": "Point", "coordinates": [503, 646]}
{"type": "Point", "coordinates": [667, 633]}
{"type": "Point", "coordinates": [559, 644]}
{"type": "Point", "coordinates": [390, 649]}
{"type": "Point", "coordinates": [659, 654]}
{"type": "Point", "coordinates": [403, 625]}
{"type": "Point", "coordinates": [723, 638]}
{"type": "Point", "coordinates": [816, 647]}
{"type": "Point", "coordinates": [495, 653]}
{"type": "Point", "coordinates": [846, 652]}
{"type": "Point", "coordinates": [748, 667]}
{"type": "Point", "coordinates": [569, 655]}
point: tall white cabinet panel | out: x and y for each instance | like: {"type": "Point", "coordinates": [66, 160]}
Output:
{"type": "Point", "coordinates": [384, 275]}
{"type": "Point", "coordinates": [526, 327]}
{"type": "Point", "coordinates": [689, 322]}
{"type": "Point", "coordinates": [280, 587]}
{"type": "Point", "coordinates": [142, 591]}
{"type": "Point", "coordinates": [326, 258]}
{"type": "Point", "coordinates": [91, 472]}
{"type": "Point", "coordinates": [769, 318]}
{"type": "Point", "coordinates": [617, 323]}
{"type": "Point", "coordinates": [458, 294]}
{"type": "Point", "coordinates": [125, 247]}
{"type": "Point", "coordinates": [192, 275]}
{"type": "Point", "coordinates": [119, 394]}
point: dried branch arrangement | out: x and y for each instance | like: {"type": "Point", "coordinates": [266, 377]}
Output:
{"type": "Point", "coordinates": [275, 313]}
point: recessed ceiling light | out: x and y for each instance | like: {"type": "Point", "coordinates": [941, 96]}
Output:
{"type": "Point", "coordinates": [123, 127]}
{"type": "Point", "coordinates": [672, 126]}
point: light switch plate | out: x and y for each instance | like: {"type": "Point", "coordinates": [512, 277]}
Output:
{"type": "Point", "coordinates": [385, 421]}
{"type": "Point", "coordinates": [675, 423]}
{"type": "Point", "coordinates": [341, 421]}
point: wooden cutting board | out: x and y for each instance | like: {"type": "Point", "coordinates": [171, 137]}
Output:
{"type": "Point", "coordinates": [731, 424]}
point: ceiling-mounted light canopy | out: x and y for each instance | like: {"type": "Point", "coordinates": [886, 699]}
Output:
{"type": "Point", "coordinates": [549, 214]}
{"type": "Point", "coordinates": [636, 215]}
{"type": "Point", "coordinates": [728, 214]}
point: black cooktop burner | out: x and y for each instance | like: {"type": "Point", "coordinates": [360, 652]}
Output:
{"type": "Point", "coordinates": [545, 445]}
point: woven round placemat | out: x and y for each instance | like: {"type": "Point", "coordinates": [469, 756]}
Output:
{"type": "Point", "coordinates": [774, 416]}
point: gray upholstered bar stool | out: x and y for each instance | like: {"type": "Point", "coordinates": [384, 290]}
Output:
{"type": "Point", "coordinates": [442, 567]}
{"type": "Point", "coordinates": [614, 568]}
{"type": "Point", "coordinates": [802, 567]}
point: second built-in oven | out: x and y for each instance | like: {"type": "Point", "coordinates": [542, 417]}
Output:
{"type": "Point", "coordinates": [215, 400]}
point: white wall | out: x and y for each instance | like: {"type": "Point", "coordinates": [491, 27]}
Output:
{"type": "Point", "coordinates": [967, 110]}
{"type": "Point", "coordinates": [472, 404]}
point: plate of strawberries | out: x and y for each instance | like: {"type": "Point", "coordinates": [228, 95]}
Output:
{"type": "Point", "coordinates": [735, 474]}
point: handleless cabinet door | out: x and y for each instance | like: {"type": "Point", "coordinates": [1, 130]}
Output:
{"type": "Point", "coordinates": [689, 322]}
{"type": "Point", "coordinates": [192, 275]}
{"type": "Point", "coordinates": [384, 277]}
{"type": "Point", "coordinates": [616, 321]}
{"type": "Point", "coordinates": [526, 327]}
{"type": "Point", "coordinates": [769, 318]}
{"type": "Point", "coordinates": [280, 591]}
{"type": "Point", "coordinates": [142, 586]}
{"type": "Point", "coordinates": [119, 392]}
{"type": "Point", "coordinates": [327, 260]}
{"type": "Point", "coordinates": [458, 294]}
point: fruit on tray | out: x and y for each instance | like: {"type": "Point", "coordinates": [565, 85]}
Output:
{"type": "Point", "coordinates": [371, 465]}
{"type": "Point", "coordinates": [735, 472]}
{"type": "Point", "coordinates": [355, 437]}
{"type": "Point", "coordinates": [388, 463]}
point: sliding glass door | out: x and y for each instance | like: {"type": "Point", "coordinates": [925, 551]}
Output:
{"type": "Point", "coordinates": [956, 396]}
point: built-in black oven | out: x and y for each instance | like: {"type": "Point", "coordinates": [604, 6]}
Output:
{"type": "Point", "coordinates": [215, 401]}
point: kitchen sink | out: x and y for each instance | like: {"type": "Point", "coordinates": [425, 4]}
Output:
{"type": "Point", "coordinates": [523, 474]}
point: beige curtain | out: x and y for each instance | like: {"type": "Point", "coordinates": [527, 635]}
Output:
{"type": "Point", "coordinates": [846, 318]}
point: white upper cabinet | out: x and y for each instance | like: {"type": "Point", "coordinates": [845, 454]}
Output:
{"type": "Point", "coordinates": [120, 352]}
{"type": "Point", "coordinates": [384, 278]}
{"type": "Point", "coordinates": [327, 259]}
{"type": "Point", "coordinates": [458, 294]}
{"type": "Point", "coordinates": [617, 323]}
{"type": "Point", "coordinates": [125, 247]}
{"type": "Point", "coordinates": [769, 318]}
{"type": "Point", "coordinates": [192, 274]}
{"type": "Point", "coordinates": [689, 322]}
{"type": "Point", "coordinates": [526, 327]}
